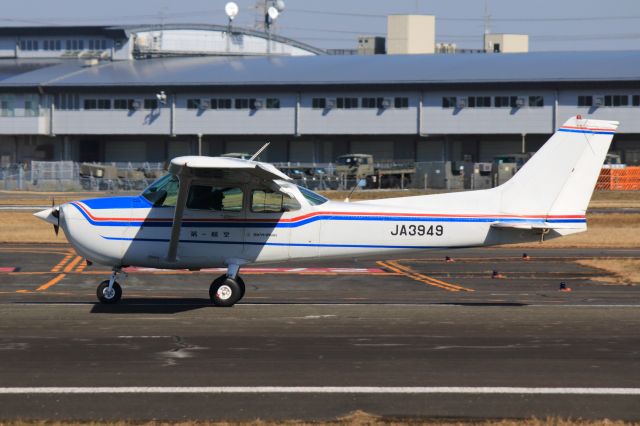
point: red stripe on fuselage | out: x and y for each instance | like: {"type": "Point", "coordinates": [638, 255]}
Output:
{"type": "Point", "coordinates": [328, 213]}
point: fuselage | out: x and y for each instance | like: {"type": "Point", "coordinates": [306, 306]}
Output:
{"type": "Point", "coordinates": [120, 231]}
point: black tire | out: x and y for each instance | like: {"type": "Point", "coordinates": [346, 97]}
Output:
{"type": "Point", "coordinates": [242, 286]}
{"type": "Point", "coordinates": [225, 291]}
{"type": "Point", "coordinates": [117, 293]}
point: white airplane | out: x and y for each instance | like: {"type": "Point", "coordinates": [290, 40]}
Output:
{"type": "Point", "coordinates": [226, 212]}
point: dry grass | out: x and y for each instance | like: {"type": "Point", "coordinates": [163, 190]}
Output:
{"type": "Point", "coordinates": [358, 418]}
{"type": "Point", "coordinates": [601, 199]}
{"type": "Point", "coordinates": [622, 271]}
{"type": "Point", "coordinates": [615, 199]}
{"type": "Point", "coordinates": [24, 227]}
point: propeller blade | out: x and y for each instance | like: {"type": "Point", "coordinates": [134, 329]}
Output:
{"type": "Point", "coordinates": [55, 213]}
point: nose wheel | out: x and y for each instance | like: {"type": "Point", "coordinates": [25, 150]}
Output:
{"type": "Point", "coordinates": [109, 291]}
{"type": "Point", "coordinates": [226, 291]}
{"type": "Point", "coordinates": [109, 295]}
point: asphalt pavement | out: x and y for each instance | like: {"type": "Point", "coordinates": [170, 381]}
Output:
{"type": "Point", "coordinates": [401, 336]}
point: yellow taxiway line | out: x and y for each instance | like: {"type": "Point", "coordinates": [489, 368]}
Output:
{"type": "Point", "coordinates": [406, 271]}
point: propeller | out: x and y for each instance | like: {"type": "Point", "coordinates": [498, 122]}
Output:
{"type": "Point", "coordinates": [55, 213]}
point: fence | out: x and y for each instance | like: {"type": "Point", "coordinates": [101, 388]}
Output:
{"type": "Point", "coordinates": [619, 179]}
{"type": "Point", "coordinates": [71, 176]}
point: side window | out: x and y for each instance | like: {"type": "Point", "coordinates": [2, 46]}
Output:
{"type": "Point", "coordinates": [272, 202]}
{"type": "Point", "coordinates": [207, 197]}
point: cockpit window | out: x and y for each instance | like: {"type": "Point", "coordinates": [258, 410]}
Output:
{"type": "Point", "coordinates": [163, 192]}
{"type": "Point", "coordinates": [313, 198]}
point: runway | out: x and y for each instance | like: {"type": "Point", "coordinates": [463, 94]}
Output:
{"type": "Point", "coordinates": [401, 336]}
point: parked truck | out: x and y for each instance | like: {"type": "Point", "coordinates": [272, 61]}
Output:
{"type": "Point", "coordinates": [354, 167]}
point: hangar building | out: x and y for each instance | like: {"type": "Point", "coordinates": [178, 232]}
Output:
{"type": "Point", "coordinates": [151, 93]}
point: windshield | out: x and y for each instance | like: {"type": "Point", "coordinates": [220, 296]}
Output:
{"type": "Point", "coordinates": [163, 192]}
{"type": "Point", "coordinates": [313, 198]}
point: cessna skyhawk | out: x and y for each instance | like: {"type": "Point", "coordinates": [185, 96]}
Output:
{"type": "Point", "coordinates": [226, 212]}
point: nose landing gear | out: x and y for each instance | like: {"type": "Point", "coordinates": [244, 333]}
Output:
{"type": "Point", "coordinates": [109, 291]}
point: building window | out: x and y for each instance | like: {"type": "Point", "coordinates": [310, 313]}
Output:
{"type": "Point", "coordinates": [45, 45]}
{"type": "Point", "coordinates": [31, 105]}
{"type": "Point", "coordinates": [221, 103]}
{"type": "Point", "coordinates": [35, 45]}
{"type": "Point", "coordinates": [81, 44]}
{"type": "Point", "coordinates": [616, 100]}
{"type": "Point", "coordinates": [193, 103]}
{"type": "Point", "coordinates": [6, 106]}
{"type": "Point", "coordinates": [90, 44]}
{"type": "Point", "coordinates": [501, 101]}
{"type": "Point", "coordinates": [585, 101]}
{"type": "Point", "coordinates": [242, 103]}
{"type": "Point", "coordinates": [103, 44]}
{"type": "Point", "coordinates": [401, 102]}
{"type": "Point", "coordinates": [90, 104]}
{"type": "Point", "coordinates": [318, 103]}
{"type": "Point", "coordinates": [67, 44]}
{"type": "Point", "coordinates": [123, 104]}
{"type": "Point", "coordinates": [449, 102]}
{"type": "Point", "coordinates": [58, 44]}
{"type": "Point", "coordinates": [150, 104]}
{"type": "Point", "coordinates": [369, 103]}
{"type": "Point", "coordinates": [69, 101]}
{"type": "Point", "coordinates": [479, 101]}
{"type": "Point", "coordinates": [636, 100]}
{"type": "Point", "coordinates": [536, 101]}
{"type": "Point", "coordinates": [104, 103]}
{"type": "Point", "coordinates": [273, 103]}
{"type": "Point", "coordinates": [347, 103]}
{"type": "Point", "coordinates": [74, 44]}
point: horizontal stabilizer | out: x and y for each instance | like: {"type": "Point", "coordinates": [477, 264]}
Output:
{"type": "Point", "coordinates": [540, 225]}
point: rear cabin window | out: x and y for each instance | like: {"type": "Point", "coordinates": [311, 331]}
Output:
{"type": "Point", "coordinates": [272, 202]}
{"type": "Point", "coordinates": [207, 197]}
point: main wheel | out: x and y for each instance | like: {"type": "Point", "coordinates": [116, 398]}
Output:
{"type": "Point", "coordinates": [106, 296]}
{"type": "Point", "coordinates": [225, 291]}
{"type": "Point", "coordinates": [242, 286]}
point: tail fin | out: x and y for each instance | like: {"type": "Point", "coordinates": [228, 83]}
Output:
{"type": "Point", "coordinates": [560, 178]}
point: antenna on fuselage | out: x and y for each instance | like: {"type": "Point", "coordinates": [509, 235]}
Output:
{"type": "Point", "coordinates": [253, 157]}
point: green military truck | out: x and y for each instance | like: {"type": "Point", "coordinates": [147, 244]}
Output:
{"type": "Point", "coordinates": [354, 167]}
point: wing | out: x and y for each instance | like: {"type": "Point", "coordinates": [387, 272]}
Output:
{"type": "Point", "coordinates": [223, 167]}
{"type": "Point", "coordinates": [192, 167]}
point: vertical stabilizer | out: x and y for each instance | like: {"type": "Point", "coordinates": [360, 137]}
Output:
{"type": "Point", "coordinates": [560, 178]}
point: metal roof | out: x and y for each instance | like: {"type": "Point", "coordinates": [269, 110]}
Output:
{"type": "Point", "coordinates": [327, 70]}
{"type": "Point", "coordinates": [123, 32]}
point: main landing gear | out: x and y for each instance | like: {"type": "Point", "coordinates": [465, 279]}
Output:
{"type": "Point", "coordinates": [225, 291]}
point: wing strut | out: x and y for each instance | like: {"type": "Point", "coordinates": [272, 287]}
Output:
{"type": "Point", "coordinates": [185, 183]}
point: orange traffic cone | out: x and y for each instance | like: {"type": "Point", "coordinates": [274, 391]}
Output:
{"type": "Point", "coordinates": [496, 275]}
{"type": "Point", "coordinates": [563, 287]}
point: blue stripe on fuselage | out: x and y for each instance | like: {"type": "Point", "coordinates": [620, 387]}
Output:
{"type": "Point", "coordinates": [138, 202]}
{"type": "Point", "coordinates": [248, 224]}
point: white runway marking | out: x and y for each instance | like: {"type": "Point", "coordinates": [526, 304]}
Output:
{"type": "Point", "coordinates": [320, 390]}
